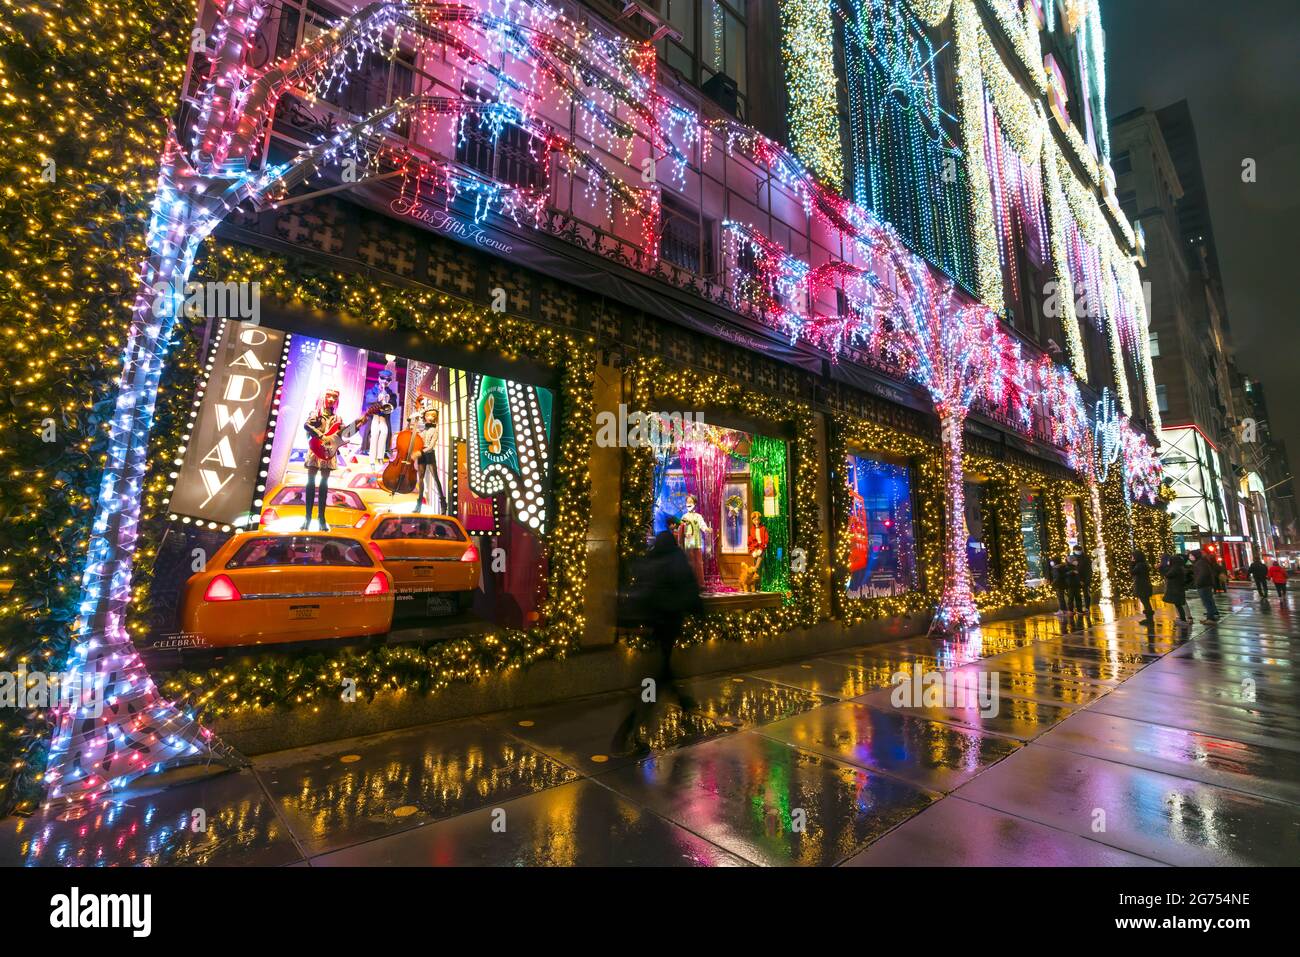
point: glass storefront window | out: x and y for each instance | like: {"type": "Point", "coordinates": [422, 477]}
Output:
{"type": "Point", "coordinates": [977, 552]}
{"type": "Point", "coordinates": [1073, 522]}
{"type": "Point", "coordinates": [375, 485]}
{"type": "Point", "coordinates": [724, 495]}
{"type": "Point", "coordinates": [882, 551]}
{"type": "Point", "coordinates": [1032, 525]}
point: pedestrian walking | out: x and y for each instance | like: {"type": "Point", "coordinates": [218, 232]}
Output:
{"type": "Point", "coordinates": [1203, 579]}
{"type": "Point", "coordinates": [1083, 563]}
{"type": "Point", "coordinates": [1258, 572]}
{"type": "Point", "coordinates": [664, 591]}
{"type": "Point", "coordinates": [1073, 587]}
{"type": "Point", "coordinates": [1141, 573]}
{"type": "Point", "coordinates": [1056, 576]}
{"type": "Point", "coordinates": [1176, 585]}
{"type": "Point", "coordinates": [1277, 575]}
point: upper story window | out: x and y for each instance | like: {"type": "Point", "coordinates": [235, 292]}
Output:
{"type": "Point", "coordinates": [713, 43]}
{"type": "Point", "coordinates": [686, 240]}
{"type": "Point", "coordinates": [511, 156]}
{"type": "Point", "coordinates": [1153, 340]}
{"type": "Point", "coordinates": [1122, 163]}
{"type": "Point", "coordinates": [1128, 202]}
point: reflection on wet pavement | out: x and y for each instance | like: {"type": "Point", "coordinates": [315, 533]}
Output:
{"type": "Point", "coordinates": [578, 824]}
{"type": "Point", "coordinates": [225, 820]}
{"type": "Point", "coordinates": [768, 802]}
{"type": "Point", "coordinates": [1171, 819]}
{"type": "Point", "coordinates": [1113, 743]}
{"type": "Point", "coordinates": [937, 757]}
{"type": "Point", "coordinates": [400, 780]}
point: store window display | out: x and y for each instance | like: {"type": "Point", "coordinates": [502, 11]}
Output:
{"type": "Point", "coordinates": [882, 548]}
{"type": "Point", "coordinates": [977, 543]}
{"type": "Point", "coordinates": [1033, 524]}
{"type": "Point", "coordinates": [296, 435]}
{"type": "Point", "coordinates": [724, 493]}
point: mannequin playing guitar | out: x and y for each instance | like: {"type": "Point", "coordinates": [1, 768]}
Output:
{"type": "Point", "coordinates": [326, 431]}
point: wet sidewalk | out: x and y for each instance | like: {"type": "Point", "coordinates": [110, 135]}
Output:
{"type": "Point", "coordinates": [1114, 743]}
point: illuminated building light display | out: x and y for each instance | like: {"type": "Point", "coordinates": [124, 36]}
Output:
{"type": "Point", "coordinates": [954, 348]}
{"type": "Point", "coordinates": [810, 79]}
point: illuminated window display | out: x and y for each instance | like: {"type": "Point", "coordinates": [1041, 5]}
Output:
{"type": "Point", "coordinates": [1073, 509]}
{"type": "Point", "coordinates": [331, 491]}
{"type": "Point", "coordinates": [977, 544]}
{"type": "Point", "coordinates": [724, 493]}
{"type": "Point", "coordinates": [882, 555]}
{"type": "Point", "coordinates": [1033, 522]}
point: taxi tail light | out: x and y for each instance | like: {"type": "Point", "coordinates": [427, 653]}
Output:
{"type": "Point", "coordinates": [378, 585]}
{"type": "Point", "coordinates": [222, 588]}
{"type": "Point", "coordinates": [362, 520]}
{"type": "Point", "coordinates": [270, 515]}
{"type": "Point", "coordinates": [471, 555]}
{"type": "Point", "coordinates": [376, 550]}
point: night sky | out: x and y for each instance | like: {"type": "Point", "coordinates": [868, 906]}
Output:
{"type": "Point", "coordinates": [1235, 64]}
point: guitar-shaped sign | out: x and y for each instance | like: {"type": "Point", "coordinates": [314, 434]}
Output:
{"type": "Point", "coordinates": [323, 445]}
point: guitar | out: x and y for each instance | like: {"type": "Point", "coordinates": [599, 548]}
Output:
{"type": "Point", "coordinates": [323, 445]}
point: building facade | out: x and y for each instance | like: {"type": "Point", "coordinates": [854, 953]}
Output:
{"type": "Point", "coordinates": [551, 240]}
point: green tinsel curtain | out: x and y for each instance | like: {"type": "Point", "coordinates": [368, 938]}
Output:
{"type": "Point", "coordinates": [768, 457]}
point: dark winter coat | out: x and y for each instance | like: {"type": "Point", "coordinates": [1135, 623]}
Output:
{"type": "Point", "coordinates": [1258, 571]}
{"type": "Point", "coordinates": [1084, 566]}
{"type": "Point", "coordinates": [1141, 572]}
{"type": "Point", "coordinates": [1204, 573]}
{"type": "Point", "coordinates": [673, 590]}
{"type": "Point", "coordinates": [1176, 582]}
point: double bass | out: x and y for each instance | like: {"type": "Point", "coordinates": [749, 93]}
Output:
{"type": "Point", "coordinates": [400, 475]}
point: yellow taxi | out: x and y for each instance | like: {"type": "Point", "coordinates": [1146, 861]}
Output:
{"type": "Point", "coordinates": [434, 565]}
{"type": "Point", "coordinates": [285, 509]}
{"type": "Point", "coordinates": [264, 588]}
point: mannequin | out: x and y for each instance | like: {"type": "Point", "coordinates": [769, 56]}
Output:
{"type": "Point", "coordinates": [383, 398]}
{"type": "Point", "coordinates": [326, 431]}
{"type": "Point", "coordinates": [427, 464]}
{"type": "Point", "coordinates": [691, 534]}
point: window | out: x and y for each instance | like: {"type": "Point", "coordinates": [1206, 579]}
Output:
{"type": "Point", "coordinates": [514, 157]}
{"type": "Point", "coordinates": [300, 550]}
{"type": "Point", "coordinates": [1128, 202]}
{"type": "Point", "coordinates": [1162, 398]}
{"type": "Point", "coordinates": [725, 496]}
{"type": "Point", "coordinates": [685, 240]}
{"type": "Point", "coordinates": [1121, 163]}
{"type": "Point", "coordinates": [413, 526]}
{"type": "Point", "coordinates": [713, 40]}
{"type": "Point", "coordinates": [977, 546]}
{"type": "Point", "coordinates": [882, 550]}
{"type": "Point", "coordinates": [338, 498]}
{"type": "Point", "coordinates": [1153, 344]}
{"type": "Point", "coordinates": [1033, 520]}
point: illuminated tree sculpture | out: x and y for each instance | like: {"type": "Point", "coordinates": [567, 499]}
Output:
{"type": "Point", "coordinates": [956, 349]}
